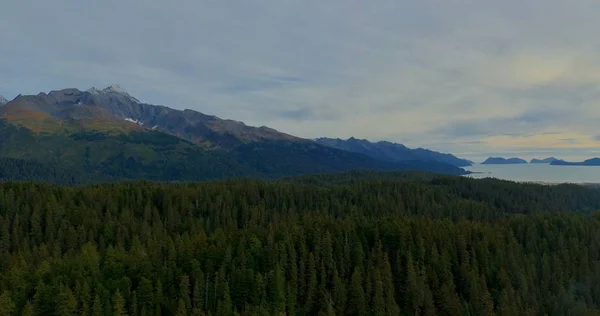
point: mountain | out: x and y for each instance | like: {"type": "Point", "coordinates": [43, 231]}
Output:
{"type": "Point", "coordinates": [588, 162]}
{"type": "Point", "coordinates": [391, 151]}
{"type": "Point", "coordinates": [503, 161]}
{"type": "Point", "coordinates": [546, 160]}
{"type": "Point", "coordinates": [108, 135]}
{"type": "Point", "coordinates": [205, 130]}
{"type": "Point", "coordinates": [97, 156]}
{"type": "Point", "coordinates": [3, 100]}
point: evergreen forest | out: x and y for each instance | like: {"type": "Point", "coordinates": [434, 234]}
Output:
{"type": "Point", "coordinates": [356, 243]}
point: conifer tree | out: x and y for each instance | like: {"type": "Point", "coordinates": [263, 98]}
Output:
{"type": "Point", "coordinates": [28, 310]}
{"type": "Point", "coordinates": [357, 304]}
{"type": "Point", "coordinates": [181, 308]}
{"type": "Point", "coordinates": [119, 304]}
{"type": "Point", "coordinates": [97, 309]}
{"type": "Point", "coordinates": [7, 306]}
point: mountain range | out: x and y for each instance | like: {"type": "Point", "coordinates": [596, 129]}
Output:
{"type": "Point", "coordinates": [588, 162]}
{"type": "Point", "coordinates": [389, 151]}
{"type": "Point", "coordinates": [503, 161]}
{"type": "Point", "coordinates": [550, 160]}
{"type": "Point", "coordinates": [73, 136]}
{"type": "Point", "coordinates": [545, 160]}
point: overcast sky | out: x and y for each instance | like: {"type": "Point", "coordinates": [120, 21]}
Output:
{"type": "Point", "coordinates": [471, 77]}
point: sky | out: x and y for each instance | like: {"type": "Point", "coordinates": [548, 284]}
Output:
{"type": "Point", "coordinates": [476, 78]}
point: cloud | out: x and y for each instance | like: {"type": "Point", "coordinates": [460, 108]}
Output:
{"type": "Point", "coordinates": [468, 77]}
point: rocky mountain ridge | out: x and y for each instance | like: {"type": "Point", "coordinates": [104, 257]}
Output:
{"type": "Point", "coordinates": [108, 135]}
{"type": "Point", "coordinates": [389, 151]}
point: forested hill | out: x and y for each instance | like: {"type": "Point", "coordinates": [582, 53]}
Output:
{"type": "Point", "coordinates": [345, 244]}
{"type": "Point", "coordinates": [86, 157]}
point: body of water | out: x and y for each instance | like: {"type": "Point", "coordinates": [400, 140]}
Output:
{"type": "Point", "coordinates": [537, 173]}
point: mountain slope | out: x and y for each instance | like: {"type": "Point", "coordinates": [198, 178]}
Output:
{"type": "Point", "coordinates": [391, 151]}
{"type": "Point", "coordinates": [99, 157]}
{"type": "Point", "coordinates": [282, 158]}
{"type": "Point", "coordinates": [205, 130]}
{"type": "Point", "coordinates": [63, 111]}
{"type": "Point", "coordinates": [108, 135]}
{"type": "Point", "coordinates": [91, 157]}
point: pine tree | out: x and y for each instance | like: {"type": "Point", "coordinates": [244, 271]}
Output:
{"type": "Point", "coordinates": [119, 304]}
{"type": "Point", "coordinates": [414, 288]}
{"type": "Point", "coordinates": [225, 306]}
{"type": "Point", "coordinates": [311, 295]}
{"type": "Point", "coordinates": [145, 295]}
{"type": "Point", "coordinates": [133, 310]}
{"type": "Point", "coordinates": [338, 293]}
{"type": "Point", "coordinates": [387, 277]}
{"type": "Point", "coordinates": [66, 302]}
{"type": "Point", "coordinates": [28, 310]}
{"type": "Point", "coordinates": [158, 299]}
{"type": "Point", "coordinates": [378, 303]}
{"type": "Point", "coordinates": [97, 307]}
{"type": "Point", "coordinates": [7, 306]}
{"type": "Point", "coordinates": [181, 308]}
{"type": "Point", "coordinates": [277, 291]}
{"type": "Point", "coordinates": [198, 296]}
{"type": "Point", "coordinates": [184, 292]}
{"type": "Point", "coordinates": [356, 295]}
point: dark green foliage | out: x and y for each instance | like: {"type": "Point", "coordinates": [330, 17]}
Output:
{"type": "Point", "coordinates": [92, 157]}
{"type": "Point", "coordinates": [28, 170]}
{"type": "Point", "coordinates": [355, 244]}
{"type": "Point", "coordinates": [86, 157]}
{"type": "Point", "coordinates": [391, 151]}
{"type": "Point", "coordinates": [284, 158]}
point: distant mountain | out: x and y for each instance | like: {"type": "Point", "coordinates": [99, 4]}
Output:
{"type": "Point", "coordinates": [205, 130]}
{"type": "Point", "coordinates": [391, 151]}
{"type": "Point", "coordinates": [115, 107]}
{"type": "Point", "coordinates": [588, 162]}
{"type": "Point", "coordinates": [281, 158]}
{"type": "Point", "coordinates": [503, 161]}
{"type": "Point", "coordinates": [108, 135]}
{"type": "Point", "coordinates": [3, 100]}
{"type": "Point", "coordinates": [545, 160]}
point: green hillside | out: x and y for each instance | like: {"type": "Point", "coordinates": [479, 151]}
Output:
{"type": "Point", "coordinates": [96, 156]}
{"type": "Point", "coordinates": [79, 156]}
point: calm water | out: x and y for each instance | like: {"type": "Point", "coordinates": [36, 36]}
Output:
{"type": "Point", "coordinates": [538, 172]}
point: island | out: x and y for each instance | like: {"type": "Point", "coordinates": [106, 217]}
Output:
{"type": "Point", "coordinates": [546, 160]}
{"type": "Point", "coordinates": [589, 162]}
{"type": "Point", "coordinates": [503, 161]}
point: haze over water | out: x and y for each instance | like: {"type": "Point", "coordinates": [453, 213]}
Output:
{"type": "Point", "coordinates": [537, 173]}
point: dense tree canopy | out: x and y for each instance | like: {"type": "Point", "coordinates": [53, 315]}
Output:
{"type": "Point", "coordinates": [346, 244]}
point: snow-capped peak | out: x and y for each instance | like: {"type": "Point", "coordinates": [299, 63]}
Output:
{"type": "Point", "coordinates": [93, 90]}
{"type": "Point", "coordinates": [3, 100]}
{"type": "Point", "coordinates": [116, 89]}
{"type": "Point", "coordinates": [113, 89]}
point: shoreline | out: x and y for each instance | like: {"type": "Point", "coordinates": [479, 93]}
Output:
{"type": "Point", "coordinates": [595, 184]}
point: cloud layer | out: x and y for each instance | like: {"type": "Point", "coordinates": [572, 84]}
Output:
{"type": "Point", "coordinates": [470, 77]}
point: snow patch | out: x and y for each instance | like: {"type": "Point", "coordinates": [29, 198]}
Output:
{"type": "Point", "coordinates": [128, 119]}
{"type": "Point", "coordinates": [116, 88]}
{"type": "Point", "coordinates": [155, 127]}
